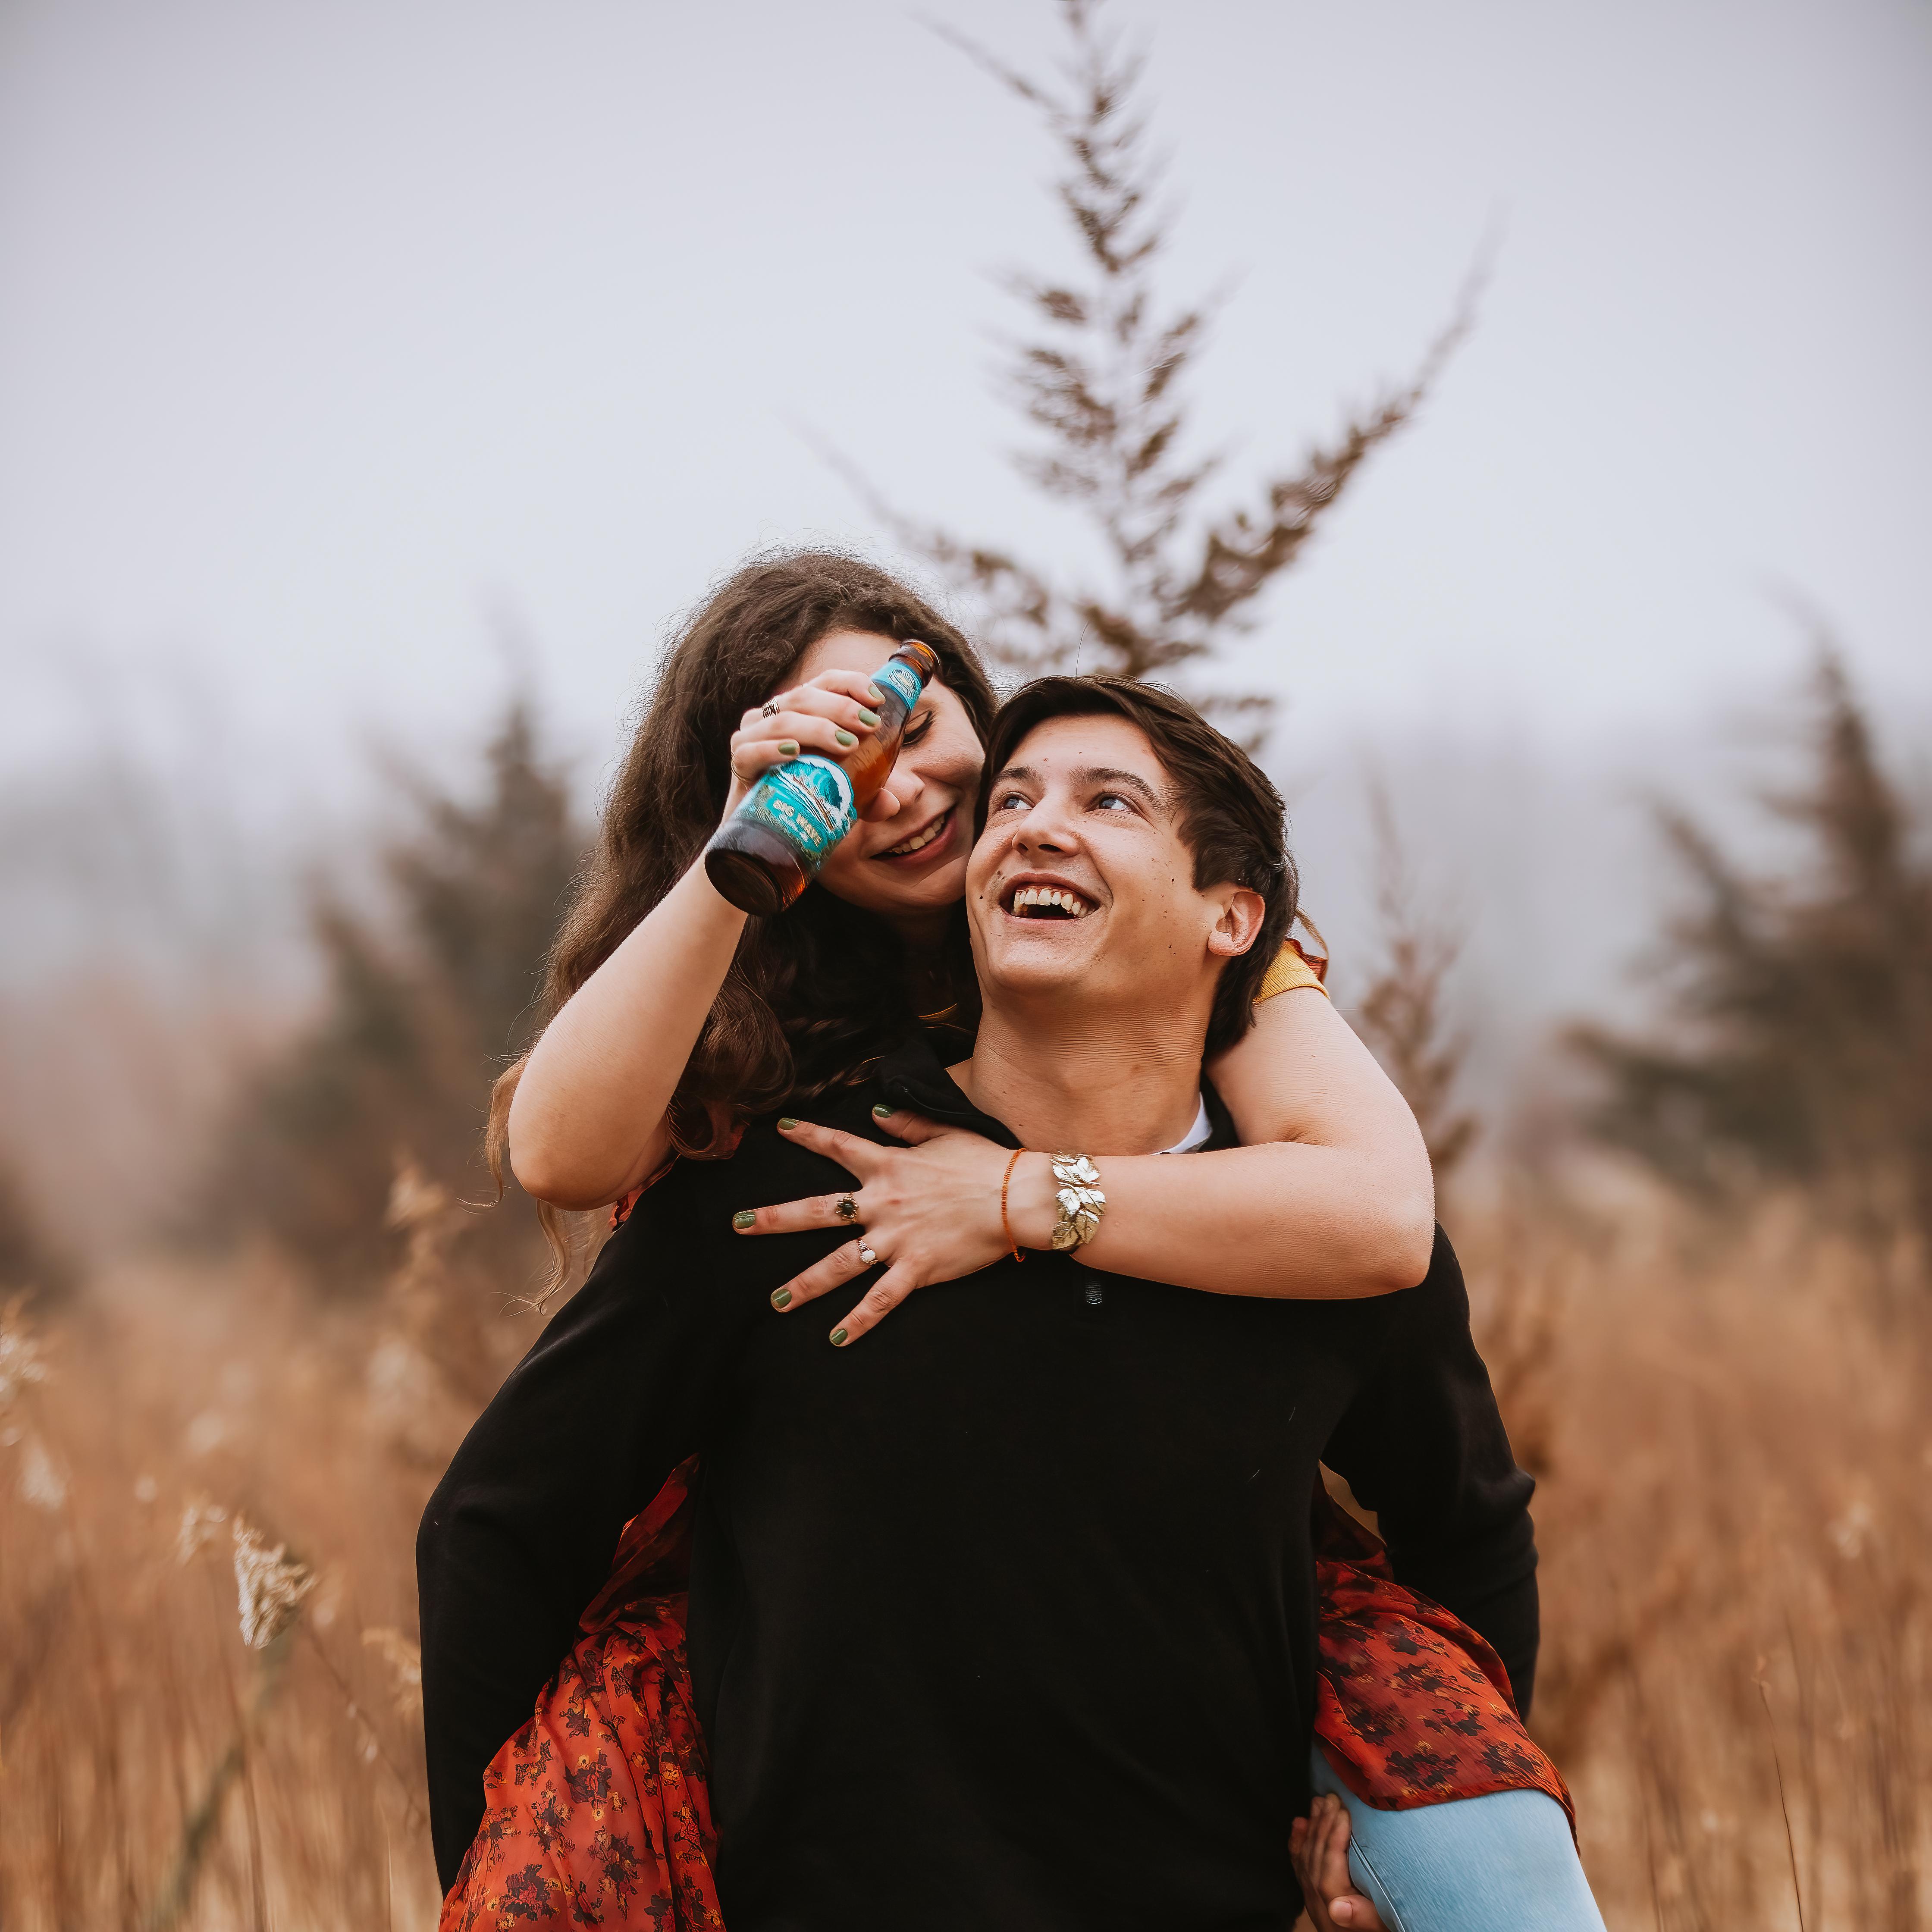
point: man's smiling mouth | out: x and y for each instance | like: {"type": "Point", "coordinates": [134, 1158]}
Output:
{"type": "Point", "coordinates": [921, 838]}
{"type": "Point", "coordinates": [1047, 902]}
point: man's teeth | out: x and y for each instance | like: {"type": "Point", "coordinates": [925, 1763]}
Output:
{"type": "Point", "coordinates": [919, 840]}
{"type": "Point", "coordinates": [1072, 904]}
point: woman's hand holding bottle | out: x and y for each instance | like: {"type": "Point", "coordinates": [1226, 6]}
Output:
{"type": "Point", "coordinates": [828, 714]}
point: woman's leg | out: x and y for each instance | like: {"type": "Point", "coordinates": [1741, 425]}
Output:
{"type": "Point", "coordinates": [1505, 1863]}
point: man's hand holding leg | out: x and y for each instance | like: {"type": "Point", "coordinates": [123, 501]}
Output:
{"type": "Point", "coordinates": [1318, 1844]}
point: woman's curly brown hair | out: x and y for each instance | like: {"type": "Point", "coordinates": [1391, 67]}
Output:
{"type": "Point", "coordinates": [814, 993]}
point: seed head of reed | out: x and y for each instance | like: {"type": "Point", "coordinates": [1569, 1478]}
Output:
{"type": "Point", "coordinates": [201, 1523]}
{"type": "Point", "coordinates": [269, 1583]}
{"type": "Point", "coordinates": [22, 1354]}
{"type": "Point", "coordinates": [42, 1485]}
{"type": "Point", "coordinates": [405, 1660]}
{"type": "Point", "coordinates": [414, 1198]}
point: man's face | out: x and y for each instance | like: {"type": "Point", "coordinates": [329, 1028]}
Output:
{"type": "Point", "coordinates": [1082, 887]}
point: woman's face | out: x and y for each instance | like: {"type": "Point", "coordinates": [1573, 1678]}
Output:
{"type": "Point", "coordinates": [910, 867]}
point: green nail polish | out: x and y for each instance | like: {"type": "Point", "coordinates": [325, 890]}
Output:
{"type": "Point", "coordinates": [873, 691]}
{"type": "Point", "coordinates": [781, 1297]}
{"type": "Point", "coordinates": [786, 1121]}
{"type": "Point", "coordinates": [744, 1218]}
{"type": "Point", "coordinates": [788, 747]}
{"type": "Point", "coordinates": [839, 1338]}
{"type": "Point", "coordinates": [882, 1112]}
{"type": "Point", "coordinates": [870, 719]}
{"type": "Point", "coordinates": [846, 740]}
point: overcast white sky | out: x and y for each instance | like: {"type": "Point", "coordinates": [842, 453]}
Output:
{"type": "Point", "coordinates": [326, 331]}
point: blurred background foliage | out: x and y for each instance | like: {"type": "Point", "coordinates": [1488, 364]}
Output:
{"type": "Point", "coordinates": [427, 997]}
{"type": "Point", "coordinates": [31, 1265]}
{"type": "Point", "coordinates": [1796, 1045]}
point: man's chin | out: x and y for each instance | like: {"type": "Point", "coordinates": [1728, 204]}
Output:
{"type": "Point", "coordinates": [1034, 970]}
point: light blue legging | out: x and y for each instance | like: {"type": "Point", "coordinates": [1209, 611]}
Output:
{"type": "Point", "coordinates": [1505, 1863]}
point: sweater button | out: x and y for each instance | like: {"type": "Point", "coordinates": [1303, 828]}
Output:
{"type": "Point", "coordinates": [1096, 1294]}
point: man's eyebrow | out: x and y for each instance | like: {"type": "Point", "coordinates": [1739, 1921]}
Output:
{"type": "Point", "coordinates": [1020, 774]}
{"type": "Point", "coordinates": [1093, 774]}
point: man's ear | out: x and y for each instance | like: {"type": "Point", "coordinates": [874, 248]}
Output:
{"type": "Point", "coordinates": [1242, 912]}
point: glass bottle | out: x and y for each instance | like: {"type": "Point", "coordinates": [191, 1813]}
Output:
{"type": "Point", "coordinates": [765, 854]}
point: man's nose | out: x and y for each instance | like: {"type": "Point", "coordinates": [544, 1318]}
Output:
{"type": "Point", "coordinates": [1044, 829]}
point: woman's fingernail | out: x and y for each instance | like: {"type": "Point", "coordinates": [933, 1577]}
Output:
{"type": "Point", "coordinates": [882, 1112]}
{"type": "Point", "coordinates": [787, 1123]}
{"type": "Point", "coordinates": [873, 691]}
{"type": "Point", "coordinates": [839, 1338]}
{"type": "Point", "coordinates": [788, 747]}
{"type": "Point", "coordinates": [846, 740]}
{"type": "Point", "coordinates": [744, 1218]}
{"type": "Point", "coordinates": [781, 1297]}
{"type": "Point", "coordinates": [869, 719]}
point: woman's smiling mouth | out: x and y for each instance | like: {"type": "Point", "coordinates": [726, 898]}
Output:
{"type": "Point", "coordinates": [920, 845]}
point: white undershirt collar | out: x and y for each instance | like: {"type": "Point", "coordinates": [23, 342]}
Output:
{"type": "Point", "coordinates": [1197, 1135]}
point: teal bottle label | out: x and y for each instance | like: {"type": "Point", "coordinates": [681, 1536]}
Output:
{"type": "Point", "coordinates": [902, 679]}
{"type": "Point", "coordinates": [808, 802]}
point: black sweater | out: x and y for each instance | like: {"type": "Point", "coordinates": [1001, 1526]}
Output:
{"type": "Point", "coordinates": [1003, 1617]}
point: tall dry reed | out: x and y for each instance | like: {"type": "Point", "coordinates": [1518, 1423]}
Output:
{"type": "Point", "coordinates": [1735, 1454]}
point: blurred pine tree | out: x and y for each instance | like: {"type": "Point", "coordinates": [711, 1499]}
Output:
{"type": "Point", "coordinates": [421, 1011]}
{"type": "Point", "coordinates": [1800, 1049]}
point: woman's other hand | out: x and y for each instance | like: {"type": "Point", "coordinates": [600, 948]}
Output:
{"type": "Point", "coordinates": [1319, 1846]}
{"type": "Point", "coordinates": [828, 714]}
{"type": "Point", "coordinates": [928, 1211]}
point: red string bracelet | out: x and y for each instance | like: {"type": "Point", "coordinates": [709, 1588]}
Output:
{"type": "Point", "coordinates": [1006, 1226]}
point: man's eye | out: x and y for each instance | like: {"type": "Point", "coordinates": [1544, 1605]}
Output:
{"type": "Point", "coordinates": [1108, 800]}
{"type": "Point", "coordinates": [1010, 801]}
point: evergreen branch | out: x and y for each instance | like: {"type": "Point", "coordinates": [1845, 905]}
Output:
{"type": "Point", "coordinates": [1103, 383]}
{"type": "Point", "coordinates": [1243, 554]}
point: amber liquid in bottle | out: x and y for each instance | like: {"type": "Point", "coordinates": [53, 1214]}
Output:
{"type": "Point", "coordinates": [767, 853]}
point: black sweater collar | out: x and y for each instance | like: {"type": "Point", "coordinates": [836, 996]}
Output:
{"type": "Point", "coordinates": [911, 1077]}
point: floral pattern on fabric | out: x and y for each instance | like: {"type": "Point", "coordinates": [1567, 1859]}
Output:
{"type": "Point", "coordinates": [1412, 1706]}
{"type": "Point", "coordinates": [598, 1810]}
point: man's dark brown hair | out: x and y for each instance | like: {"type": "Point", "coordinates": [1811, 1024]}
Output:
{"type": "Point", "coordinates": [1228, 813]}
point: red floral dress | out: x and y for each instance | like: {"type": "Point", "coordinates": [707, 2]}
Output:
{"type": "Point", "coordinates": [1412, 1706]}
{"type": "Point", "coordinates": [597, 1812]}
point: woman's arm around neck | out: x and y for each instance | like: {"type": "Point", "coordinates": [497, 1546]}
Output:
{"type": "Point", "coordinates": [1334, 1201]}
{"type": "Point", "coordinates": [1334, 1196]}
{"type": "Point", "coordinates": [1329, 1197]}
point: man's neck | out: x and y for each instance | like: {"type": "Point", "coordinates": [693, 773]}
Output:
{"type": "Point", "coordinates": [1093, 1085]}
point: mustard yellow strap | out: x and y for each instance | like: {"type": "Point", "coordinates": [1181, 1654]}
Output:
{"type": "Point", "coordinates": [1292, 968]}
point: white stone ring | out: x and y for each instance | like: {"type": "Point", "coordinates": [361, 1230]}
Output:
{"type": "Point", "coordinates": [867, 1256]}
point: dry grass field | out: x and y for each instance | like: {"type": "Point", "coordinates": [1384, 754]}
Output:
{"type": "Point", "coordinates": [1731, 1431]}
